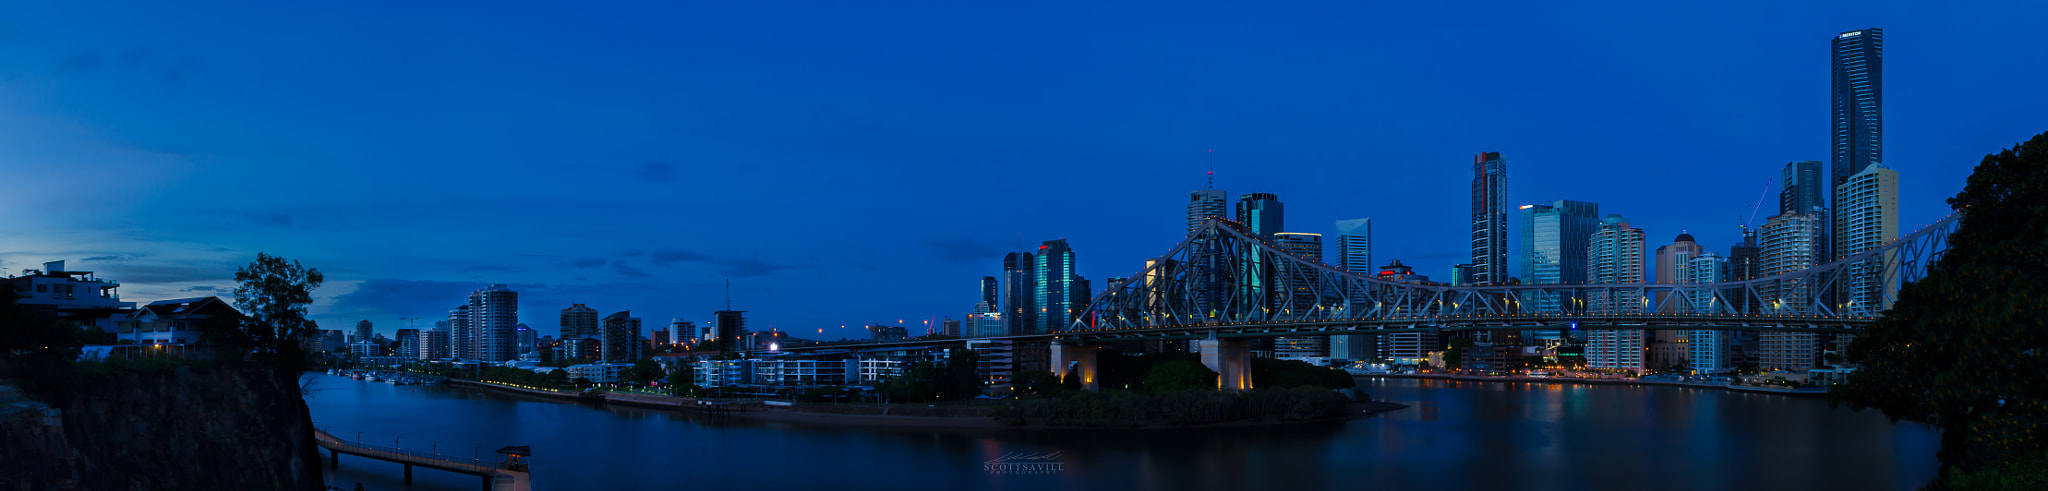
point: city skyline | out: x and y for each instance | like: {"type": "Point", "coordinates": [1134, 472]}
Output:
{"type": "Point", "coordinates": [167, 240]}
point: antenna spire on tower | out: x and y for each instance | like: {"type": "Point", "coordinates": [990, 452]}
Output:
{"type": "Point", "coordinates": [728, 294]}
{"type": "Point", "coordinates": [1212, 170]}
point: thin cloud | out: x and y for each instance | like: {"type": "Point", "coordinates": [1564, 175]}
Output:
{"type": "Point", "coordinates": [655, 172]}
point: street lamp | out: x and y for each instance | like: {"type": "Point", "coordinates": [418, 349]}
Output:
{"type": "Point", "coordinates": [435, 448]}
{"type": "Point", "coordinates": [359, 438]}
{"type": "Point", "coordinates": [394, 443]}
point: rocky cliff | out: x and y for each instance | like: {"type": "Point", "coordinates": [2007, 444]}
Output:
{"type": "Point", "coordinates": [182, 428]}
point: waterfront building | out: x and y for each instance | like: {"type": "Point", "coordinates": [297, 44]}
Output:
{"type": "Point", "coordinates": [1489, 219]}
{"type": "Point", "coordinates": [1857, 83]}
{"type": "Point", "coordinates": [365, 348]}
{"type": "Point", "coordinates": [1020, 293]}
{"type": "Point", "coordinates": [494, 316]}
{"type": "Point", "coordinates": [1668, 346]}
{"type": "Point", "coordinates": [461, 335]}
{"type": "Point", "coordinates": [433, 344]}
{"type": "Point", "coordinates": [996, 362]}
{"type": "Point", "coordinates": [54, 293]}
{"type": "Point", "coordinates": [1554, 239]}
{"type": "Point", "coordinates": [526, 337]}
{"type": "Point", "coordinates": [1061, 293]}
{"type": "Point", "coordinates": [408, 344]}
{"type": "Point", "coordinates": [729, 324]}
{"type": "Point", "coordinates": [1707, 350]}
{"type": "Point", "coordinates": [598, 373]}
{"type": "Point", "coordinates": [1614, 255]}
{"type": "Point", "coordinates": [1412, 347]}
{"type": "Point", "coordinates": [1787, 243]}
{"type": "Point", "coordinates": [177, 322]}
{"type": "Point", "coordinates": [579, 320]}
{"type": "Point", "coordinates": [621, 342]}
{"type": "Point", "coordinates": [1866, 217]}
{"type": "Point", "coordinates": [331, 341]}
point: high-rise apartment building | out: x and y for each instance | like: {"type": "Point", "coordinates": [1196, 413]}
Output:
{"type": "Point", "coordinates": [493, 318]}
{"type": "Point", "coordinates": [1707, 350]}
{"type": "Point", "coordinates": [1020, 293]}
{"type": "Point", "coordinates": [1056, 288]}
{"type": "Point", "coordinates": [1788, 243]}
{"type": "Point", "coordinates": [528, 339]}
{"type": "Point", "coordinates": [1489, 219]}
{"type": "Point", "coordinates": [621, 338]}
{"type": "Point", "coordinates": [1857, 84]}
{"type": "Point", "coordinates": [362, 332]}
{"type": "Point", "coordinates": [433, 343]}
{"type": "Point", "coordinates": [1614, 255]}
{"type": "Point", "coordinates": [578, 321]}
{"type": "Point", "coordinates": [461, 334]}
{"type": "Point", "coordinates": [1354, 245]}
{"type": "Point", "coordinates": [1866, 217]}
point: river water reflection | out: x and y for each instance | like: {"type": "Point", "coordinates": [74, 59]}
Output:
{"type": "Point", "coordinates": [1456, 435]}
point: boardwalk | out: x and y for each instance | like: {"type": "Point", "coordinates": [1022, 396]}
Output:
{"type": "Point", "coordinates": [494, 477]}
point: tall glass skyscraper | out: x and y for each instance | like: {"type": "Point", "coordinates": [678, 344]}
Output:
{"type": "Point", "coordinates": [1262, 213]}
{"type": "Point", "coordinates": [1489, 219]}
{"type": "Point", "coordinates": [1207, 204]}
{"type": "Point", "coordinates": [1804, 190]}
{"type": "Point", "coordinates": [1020, 297]}
{"type": "Point", "coordinates": [1554, 241]}
{"type": "Point", "coordinates": [1354, 246]}
{"type": "Point", "coordinates": [1054, 275]}
{"type": "Point", "coordinates": [1858, 88]}
{"type": "Point", "coordinates": [494, 317]}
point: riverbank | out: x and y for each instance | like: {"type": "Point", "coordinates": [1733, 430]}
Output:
{"type": "Point", "coordinates": [1800, 392]}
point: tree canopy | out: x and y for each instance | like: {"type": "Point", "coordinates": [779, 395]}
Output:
{"type": "Point", "coordinates": [273, 296]}
{"type": "Point", "coordinates": [1963, 348]}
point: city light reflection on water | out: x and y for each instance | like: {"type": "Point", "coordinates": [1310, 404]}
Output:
{"type": "Point", "coordinates": [1455, 435]}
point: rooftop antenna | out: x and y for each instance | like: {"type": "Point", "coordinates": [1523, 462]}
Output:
{"type": "Point", "coordinates": [728, 294]}
{"type": "Point", "coordinates": [1212, 170]}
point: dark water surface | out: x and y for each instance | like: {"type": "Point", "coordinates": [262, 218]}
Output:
{"type": "Point", "coordinates": [1457, 435]}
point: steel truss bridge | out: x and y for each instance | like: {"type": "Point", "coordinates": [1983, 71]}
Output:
{"type": "Point", "coordinates": [1224, 281]}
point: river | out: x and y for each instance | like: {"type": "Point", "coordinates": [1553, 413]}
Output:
{"type": "Point", "coordinates": [1456, 435]}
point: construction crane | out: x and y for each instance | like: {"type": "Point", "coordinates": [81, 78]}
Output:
{"type": "Point", "coordinates": [1759, 204]}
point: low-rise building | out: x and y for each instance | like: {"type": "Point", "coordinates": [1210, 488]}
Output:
{"type": "Point", "coordinates": [600, 373]}
{"type": "Point", "coordinates": [76, 296]}
{"type": "Point", "coordinates": [179, 321]}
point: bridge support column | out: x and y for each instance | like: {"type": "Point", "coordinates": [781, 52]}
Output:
{"type": "Point", "coordinates": [333, 459]}
{"type": "Point", "coordinates": [1231, 359]}
{"type": "Point", "coordinates": [408, 474]}
{"type": "Point", "coordinates": [1083, 359]}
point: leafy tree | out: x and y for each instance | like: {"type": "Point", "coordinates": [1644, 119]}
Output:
{"type": "Point", "coordinates": [1964, 348]}
{"type": "Point", "coordinates": [273, 296]}
{"type": "Point", "coordinates": [1454, 358]}
{"type": "Point", "coordinates": [683, 375]}
{"type": "Point", "coordinates": [38, 353]}
{"type": "Point", "coordinates": [1276, 373]}
{"type": "Point", "coordinates": [1179, 375]}
{"type": "Point", "coordinates": [1036, 382]}
{"type": "Point", "coordinates": [642, 371]}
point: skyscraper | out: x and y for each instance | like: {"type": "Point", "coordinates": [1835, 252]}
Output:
{"type": "Point", "coordinates": [1489, 219]}
{"type": "Point", "coordinates": [726, 327]}
{"type": "Point", "coordinates": [1262, 213]}
{"type": "Point", "coordinates": [1614, 255]}
{"type": "Point", "coordinates": [1296, 293]}
{"type": "Point", "coordinates": [1205, 205]}
{"type": "Point", "coordinates": [1858, 109]}
{"type": "Point", "coordinates": [621, 338]}
{"type": "Point", "coordinates": [1020, 293]}
{"type": "Point", "coordinates": [1707, 350]}
{"type": "Point", "coordinates": [988, 289]}
{"type": "Point", "coordinates": [578, 321]}
{"type": "Point", "coordinates": [1867, 216]}
{"type": "Point", "coordinates": [1354, 245]}
{"type": "Point", "coordinates": [362, 332]}
{"type": "Point", "coordinates": [1805, 190]}
{"type": "Point", "coordinates": [1674, 263]}
{"type": "Point", "coordinates": [494, 316]}
{"type": "Point", "coordinates": [1554, 241]}
{"type": "Point", "coordinates": [1056, 289]}
{"type": "Point", "coordinates": [1788, 242]}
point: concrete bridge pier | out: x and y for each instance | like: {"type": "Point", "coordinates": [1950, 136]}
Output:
{"type": "Point", "coordinates": [1231, 359]}
{"type": "Point", "coordinates": [1082, 357]}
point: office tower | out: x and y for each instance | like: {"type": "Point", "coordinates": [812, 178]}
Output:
{"type": "Point", "coordinates": [1410, 347]}
{"type": "Point", "coordinates": [1866, 217]}
{"type": "Point", "coordinates": [578, 321]}
{"type": "Point", "coordinates": [683, 332]}
{"type": "Point", "coordinates": [1614, 255]}
{"type": "Point", "coordinates": [1858, 109]}
{"type": "Point", "coordinates": [1489, 219]}
{"type": "Point", "coordinates": [1056, 288]}
{"type": "Point", "coordinates": [1804, 188]}
{"type": "Point", "coordinates": [1668, 346]}
{"type": "Point", "coordinates": [728, 325]}
{"type": "Point", "coordinates": [950, 327]}
{"type": "Point", "coordinates": [526, 337]}
{"type": "Point", "coordinates": [461, 335]}
{"type": "Point", "coordinates": [621, 338]}
{"type": "Point", "coordinates": [1205, 205]}
{"type": "Point", "coordinates": [1020, 293]}
{"type": "Point", "coordinates": [1261, 213]}
{"type": "Point", "coordinates": [362, 332]}
{"type": "Point", "coordinates": [1787, 243]}
{"type": "Point", "coordinates": [493, 316]}
{"type": "Point", "coordinates": [989, 289]}
{"type": "Point", "coordinates": [1707, 350]}
{"type": "Point", "coordinates": [1296, 294]}
{"type": "Point", "coordinates": [1554, 238]}
{"type": "Point", "coordinates": [1354, 245]}
{"type": "Point", "coordinates": [1673, 259]}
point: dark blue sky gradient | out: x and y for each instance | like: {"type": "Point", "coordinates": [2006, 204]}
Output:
{"type": "Point", "coordinates": [846, 163]}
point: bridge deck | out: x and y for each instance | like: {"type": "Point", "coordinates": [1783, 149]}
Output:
{"type": "Point", "coordinates": [500, 478]}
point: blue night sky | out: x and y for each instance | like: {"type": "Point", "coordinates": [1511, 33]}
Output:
{"type": "Point", "coordinates": [846, 163]}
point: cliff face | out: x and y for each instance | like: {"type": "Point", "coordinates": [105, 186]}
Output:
{"type": "Point", "coordinates": [186, 428]}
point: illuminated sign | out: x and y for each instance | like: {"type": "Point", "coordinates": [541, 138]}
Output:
{"type": "Point", "coordinates": [1849, 34]}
